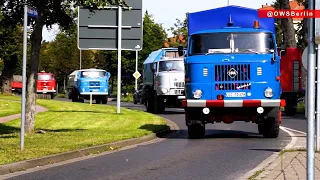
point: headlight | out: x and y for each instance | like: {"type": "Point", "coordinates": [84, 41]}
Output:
{"type": "Point", "coordinates": [197, 94]}
{"type": "Point", "coordinates": [164, 90]}
{"type": "Point", "coordinates": [268, 92]}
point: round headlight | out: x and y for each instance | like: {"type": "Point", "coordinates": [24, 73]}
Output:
{"type": "Point", "coordinates": [268, 92]}
{"type": "Point", "coordinates": [164, 90]}
{"type": "Point", "coordinates": [197, 94]}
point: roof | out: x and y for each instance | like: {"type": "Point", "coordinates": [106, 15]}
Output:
{"type": "Point", "coordinates": [92, 69]}
{"type": "Point", "coordinates": [294, 5]}
{"type": "Point", "coordinates": [157, 55]}
{"type": "Point", "coordinates": [219, 17]}
{"type": "Point", "coordinates": [237, 30]}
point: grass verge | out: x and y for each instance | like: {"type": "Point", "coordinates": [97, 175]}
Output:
{"type": "Point", "coordinates": [9, 107]}
{"type": "Point", "coordinates": [256, 174]}
{"type": "Point", "coordinates": [70, 126]}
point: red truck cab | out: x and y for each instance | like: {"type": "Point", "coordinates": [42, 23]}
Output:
{"type": "Point", "coordinates": [290, 79]}
{"type": "Point", "coordinates": [46, 84]}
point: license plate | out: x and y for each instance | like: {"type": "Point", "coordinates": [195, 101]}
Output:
{"type": "Point", "coordinates": [45, 89]}
{"type": "Point", "coordinates": [95, 90]}
{"type": "Point", "coordinates": [236, 94]}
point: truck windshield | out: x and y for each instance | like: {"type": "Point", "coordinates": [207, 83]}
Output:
{"type": "Point", "coordinates": [93, 74]}
{"type": "Point", "coordinates": [44, 77]}
{"type": "Point", "coordinates": [171, 66]}
{"type": "Point", "coordinates": [211, 43]}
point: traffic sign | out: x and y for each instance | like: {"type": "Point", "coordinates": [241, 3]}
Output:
{"type": "Point", "coordinates": [32, 12]}
{"type": "Point", "coordinates": [136, 75]}
{"type": "Point", "coordinates": [98, 30]}
{"type": "Point", "coordinates": [305, 58]}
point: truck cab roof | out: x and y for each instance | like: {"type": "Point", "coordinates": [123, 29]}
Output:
{"type": "Point", "coordinates": [233, 30]}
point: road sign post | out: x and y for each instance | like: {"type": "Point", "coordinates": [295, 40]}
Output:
{"type": "Point", "coordinates": [112, 28]}
{"type": "Point", "coordinates": [311, 95]}
{"type": "Point", "coordinates": [136, 81]}
{"type": "Point", "coordinates": [28, 11]}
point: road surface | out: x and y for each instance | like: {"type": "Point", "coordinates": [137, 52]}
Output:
{"type": "Point", "coordinates": [227, 152]}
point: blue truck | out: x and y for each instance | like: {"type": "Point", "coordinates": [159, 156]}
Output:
{"type": "Point", "coordinates": [232, 71]}
{"type": "Point", "coordinates": [82, 83]}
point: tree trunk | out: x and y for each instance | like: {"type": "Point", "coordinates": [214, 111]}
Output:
{"type": "Point", "coordinates": [36, 38]}
{"type": "Point", "coordinates": [7, 74]}
{"type": "Point", "coordinates": [289, 35]}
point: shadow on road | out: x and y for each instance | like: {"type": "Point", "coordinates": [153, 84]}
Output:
{"type": "Point", "coordinates": [270, 150]}
{"type": "Point", "coordinates": [214, 134]}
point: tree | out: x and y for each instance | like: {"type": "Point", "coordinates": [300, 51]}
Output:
{"type": "Point", "coordinates": [49, 12]}
{"type": "Point", "coordinates": [302, 31]}
{"type": "Point", "coordinates": [286, 24]}
{"type": "Point", "coordinates": [11, 52]}
{"type": "Point", "coordinates": [180, 33]}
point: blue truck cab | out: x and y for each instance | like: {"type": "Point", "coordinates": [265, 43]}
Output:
{"type": "Point", "coordinates": [86, 82]}
{"type": "Point", "coordinates": [232, 70]}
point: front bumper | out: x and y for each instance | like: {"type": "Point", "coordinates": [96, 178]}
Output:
{"type": "Point", "coordinates": [94, 93]}
{"type": "Point", "coordinates": [46, 91]}
{"type": "Point", "coordinates": [234, 103]}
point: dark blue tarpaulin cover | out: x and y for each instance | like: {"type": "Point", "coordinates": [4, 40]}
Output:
{"type": "Point", "coordinates": [218, 18]}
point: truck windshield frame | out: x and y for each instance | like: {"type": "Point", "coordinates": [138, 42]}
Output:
{"type": "Point", "coordinates": [171, 65]}
{"type": "Point", "coordinates": [93, 74]}
{"type": "Point", "coordinates": [230, 42]}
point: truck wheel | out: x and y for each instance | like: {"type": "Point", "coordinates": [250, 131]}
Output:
{"type": "Point", "coordinates": [291, 107]}
{"type": "Point", "coordinates": [196, 131]}
{"type": "Point", "coordinates": [74, 96]}
{"type": "Point", "coordinates": [260, 128]}
{"type": "Point", "coordinates": [105, 100]}
{"type": "Point", "coordinates": [290, 111]}
{"type": "Point", "coordinates": [150, 102]}
{"type": "Point", "coordinates": [98, 101]}
{"type": "Point", "coordinates": [135, 100]}
{"type": "Point", "coordinates": [270, 125]}
{"type": "Point", "coordinates": [159, 106]}
{"type": "Point", "coordinates": [140, 100]}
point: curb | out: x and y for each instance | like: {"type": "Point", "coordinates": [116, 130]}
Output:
{"type": "Point", "coordinates": [270, 162]}
{"type": "Point", "coordinates": [55, 158]}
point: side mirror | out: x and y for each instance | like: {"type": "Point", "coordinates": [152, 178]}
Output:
{"type": "Point", "coordinates": [152, 67]}
{"type": "Point", "coordinates": [180, 51]}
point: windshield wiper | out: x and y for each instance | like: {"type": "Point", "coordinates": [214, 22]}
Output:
{"type": "Point", "coordinates": [214, 52]}
{"type": "Point", "coordinates": [251, 50]}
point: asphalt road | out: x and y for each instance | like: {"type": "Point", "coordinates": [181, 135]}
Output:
{"type": "Point", "coordinates": [227, 152]}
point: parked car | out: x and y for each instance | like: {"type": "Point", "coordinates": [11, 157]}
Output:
{"type": "Point", "coordinates": [137, 95]}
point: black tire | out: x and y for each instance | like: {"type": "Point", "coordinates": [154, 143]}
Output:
{"type": "Point", "coordinates": [260, 128]}
{"type": "Point", "coordinates": [196, 131]}
{"type": "Point", "coordinates": [159, 106]}
{"type": "Point", "coordinates": [135, 100]}
{"type": "Point", "coordinates": [105, 100]}
{"type": "Point", "coordinates": [290, 111]}
{"type": "Point", "coordinates": [291, 107]}
{"type": "Point", "coordinates": [150, 102]}
{"type": "Point", "coordinates": [74, 96]}
{"type": "Point", "coordinates": [271, 124]}
{"type": "Point", "coordinates": [98, 101]}
{"type": "Point", "coordinates": [140, 100]}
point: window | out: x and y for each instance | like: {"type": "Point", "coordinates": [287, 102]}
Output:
{"type": "Point", "coordinates": [171, 66]}
{"type": "Point", "coordinates": [211, 43]}
{"type": "Point", "coordinates": [45, 77]}
{"type": "Point", "coordinates": [93, 74]}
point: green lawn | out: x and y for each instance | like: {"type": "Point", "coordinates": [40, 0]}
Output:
{"type": "Point", "coordinates": [70, 126]}
{"type": "Point", "coordinates": [9, 107]}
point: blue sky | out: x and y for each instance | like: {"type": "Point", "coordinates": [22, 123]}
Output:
{"type": "Point", "coordinates": [166, 11]}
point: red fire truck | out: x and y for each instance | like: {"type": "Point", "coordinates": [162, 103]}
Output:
{"type": "Point", "coordinates": [290, 79]}
{"type": "Point", "coordinates": [46, 85]}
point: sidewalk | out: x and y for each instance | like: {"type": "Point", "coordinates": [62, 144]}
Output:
{"type": "Point", "coordinates": [16, 116]}
{"type": "Point", "coordinates": [290, 164]}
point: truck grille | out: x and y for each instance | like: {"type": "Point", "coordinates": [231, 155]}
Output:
{"type": "Point", "coordinates": [233, 86]}
{"type": "Point", "coordinates": [232, 72]}
{"type": "Point", "coordinates": [94, 83]}
{"type": "Point", "coordinates": [179, 84]}
{"type": "Point", "coordinates": [178, 91]}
